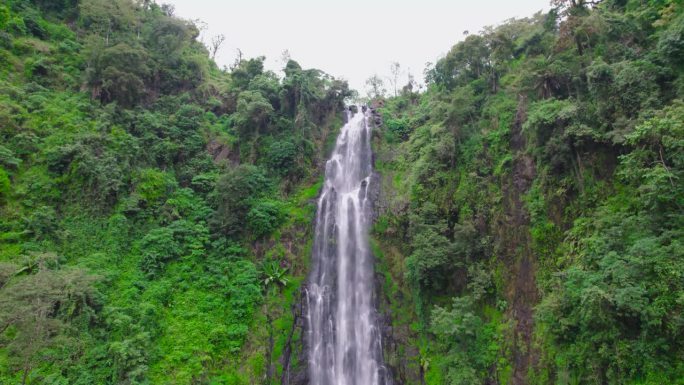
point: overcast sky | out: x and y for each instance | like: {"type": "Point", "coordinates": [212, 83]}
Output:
{"type": "Point", "coordinates": [350, 39]}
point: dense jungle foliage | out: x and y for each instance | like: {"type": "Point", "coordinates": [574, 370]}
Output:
{"type": "Point", "coordinates": [143, 195]}
{"type": "Point", "coordinates": [156, 210]}
{"type": "Point", "coordinates": [533, 218]}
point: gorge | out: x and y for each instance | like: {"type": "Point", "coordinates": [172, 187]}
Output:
{"type": "Point", "coordinates": [512, 218]}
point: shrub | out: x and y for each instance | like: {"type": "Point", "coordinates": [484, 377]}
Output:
{"type": "Point", "coordinates": [265, 217]}
{"type": "Point", "coordinates": [16, 26]}
{"type": "Point", "coordinates": [4, 17]}
{"type": "Point", "coordinates": [399, 127]}
{"type": "Point", "coordinates": [430, 260]}
{"type": "Point", "coordinates": [4, 185]}
{"type": "Point", "coordinates": [34, 25]}
{"type": "Point", "coordinates": [235, 192]}
{"type": "Point", "coordinates": [153, 184]}
{"type": "Point", "coordinates": [158, 247]}
{"type": "Point", "coordinates": [281, 157]}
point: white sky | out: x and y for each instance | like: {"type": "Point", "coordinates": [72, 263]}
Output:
{"type": "Point", "coordinates": [350, 39]}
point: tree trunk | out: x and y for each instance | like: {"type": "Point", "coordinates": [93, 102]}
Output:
{"type": "Point", "coordinates": [27, 369]}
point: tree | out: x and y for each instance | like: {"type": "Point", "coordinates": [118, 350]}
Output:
{"type": "Point", "coordinates": [36, 308]}
{"type": "Point", "coordinates": [238, 59]}
{"type": "Point", "coordinates": [407, 90]}
{"type": "Point", "coordinates": [105, 18]}
{"type": "Point", "coordinates": [282, 157]}
{"type": "Point", "coordinates": [246, 70]}
{"type": "Point", "coordinates": [656, 165]}
{"type": "Point", "coordinates": [568, 5]}
{"type": "Point", "coordinates": [395, 69]}
{"type": "Point", "coordinates": [264, 217]}
{"type": "Point", "coordinates": [669, 43]}
{"type": "Point", "coordinates": [252, 114]}
{"type": "Point", "coordinates": [375, 87]}
{"type": "Point", "coordinates": [304, 96]}
{"type": "Point", "coordinates": [216, 43]}
{"type": "Point", "coordinates": [431, 259]}
{"type": "Point", "coordinates": [465, 340]}
{"type": "Point", "coordinates": [117, 73]}
{"type": "Point", "coordinates": [235, 193]}
{"type": "Point", "coordinates": [285, 57]}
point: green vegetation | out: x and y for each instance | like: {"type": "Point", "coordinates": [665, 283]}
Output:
{"type": "Point", "coordinates": [149, 200]}
{"type": "Point", "coordinates": [535, 202]}
{"type": "Point", "coordinates": [156, 211]}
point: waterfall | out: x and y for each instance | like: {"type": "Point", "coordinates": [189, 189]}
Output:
{"type": "Point", "coordinates": [343, 336]}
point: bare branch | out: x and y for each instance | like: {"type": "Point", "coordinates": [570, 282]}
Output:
{"type": "Point", "coordinates": [216, 43]}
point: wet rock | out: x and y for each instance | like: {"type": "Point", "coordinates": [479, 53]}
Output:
{"type": "Point", "coordinates": [296, 374]}
{"type": "Point", "coordinates": [374, 193]}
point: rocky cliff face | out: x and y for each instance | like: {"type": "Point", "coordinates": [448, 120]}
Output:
{"type": "Point", "coordinates": [398, 340]}
{"type": "Point", "coordinates": [295, 353]}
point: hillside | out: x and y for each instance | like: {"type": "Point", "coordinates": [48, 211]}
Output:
{"type": "Point", "coordinates": [149, 200]}
{"type": "Point", "coordinates": [157, 212]}
{"type": "Point", "coordinates": [532, 226]}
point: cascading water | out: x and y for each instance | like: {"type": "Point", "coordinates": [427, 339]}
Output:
{"type": "Point", "coordinates": [343, 337]}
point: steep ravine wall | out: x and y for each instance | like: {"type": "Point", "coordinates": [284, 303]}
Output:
{"type": "Point", "coordinates": [509, 225]}
{"type": "Point", "coordinates": [516, 251]}
{"type": "Point", "coordinates": [276, 351]}
{"type": "Point", "coordinates": [394, 299]}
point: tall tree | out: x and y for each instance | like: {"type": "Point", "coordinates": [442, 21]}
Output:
{"type": "Point", "coordinates": [395, 70]}
{"type": "Point", "coordinates": [375, 87]}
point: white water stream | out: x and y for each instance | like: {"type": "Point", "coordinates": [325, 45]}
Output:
{"type": "Point", "coordinates": [343, 336]}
